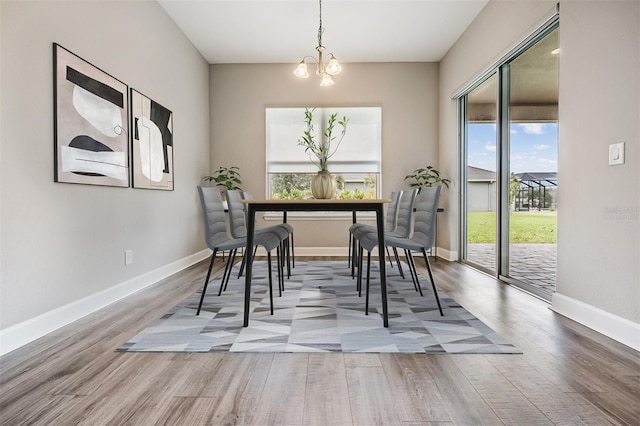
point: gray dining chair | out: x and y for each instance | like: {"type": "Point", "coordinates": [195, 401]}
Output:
{"type": "Point", "coordinates": [217, 239]}
{"type": "Point", "coordinates": [238, 228]}
{"type": "Point", "coordinates": [402, 225]}
{"type": "Point", "coordinates": [391, 218]}
{"type": "Point", "coordinates": [289, 245]}
{"type": "Point", "coordinates": [422, 239]}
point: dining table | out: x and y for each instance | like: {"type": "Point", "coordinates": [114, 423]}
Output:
{"type": "Point", "coordinates": [313, 205]}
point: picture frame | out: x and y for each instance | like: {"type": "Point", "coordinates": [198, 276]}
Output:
{"type": "Point", "coordinates": [151, 143]}
{"type": "Point", "coordinates": [91, 141]}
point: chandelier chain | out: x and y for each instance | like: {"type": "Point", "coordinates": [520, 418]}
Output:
{"type": "Point", "coordinates": [320, 29]}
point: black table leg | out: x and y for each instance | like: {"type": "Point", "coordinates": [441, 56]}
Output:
{"type": "Point", "coordinates": [251, 225]}
{"type": "Point", "coordinates": [383, 271]}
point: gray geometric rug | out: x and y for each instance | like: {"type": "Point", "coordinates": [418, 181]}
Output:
{"type": "Point", "coordinates": [319, 311]}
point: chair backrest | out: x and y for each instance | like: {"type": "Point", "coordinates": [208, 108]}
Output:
{"type": "Point", "coordinates": [392, 212]}
{"type": "Point", "coordinates": [237, 215]}
{"type": "Point", "coordinates": [425, 221]}
{"type": "Point", "coordinates": [215, 223]}
{"type": "Point", "coordinates": [246, 195]}
{"type": "Point", "coordinates": [405, 213]}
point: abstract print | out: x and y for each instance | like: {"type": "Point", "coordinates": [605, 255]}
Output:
{"type": "Point", "coordinates": [91, 128]}
{"type": "Point", "coordinates": [152, 143]}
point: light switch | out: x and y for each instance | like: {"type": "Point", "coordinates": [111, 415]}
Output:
{"type": "Point", "coordinates": [616, 154]}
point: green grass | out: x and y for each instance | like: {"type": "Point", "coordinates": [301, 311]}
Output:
{"type": "Point", "coordinates": [525, 227]}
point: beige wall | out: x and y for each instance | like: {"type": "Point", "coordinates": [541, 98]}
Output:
{"type": "Point", "coordinates": [407, 93]}
{"type": "Point", "coordinates": [598, 235]}
{"type": "Point", "coordinates": [598, 243]}
{"type": "Point", "coordinates": [63, 242]}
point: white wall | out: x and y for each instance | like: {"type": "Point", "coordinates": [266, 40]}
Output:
{"type": "Point", "coordinates": [62, 243]}
{"type": "Point", "coordinates": [407, 93]}
{"type": "Point", "coordinates": [598, 249]}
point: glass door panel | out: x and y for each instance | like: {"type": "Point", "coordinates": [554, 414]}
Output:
{"type": "Point", "coordinates": [479, 243]}
{"type": "Point", "coordinates": [533, 167]}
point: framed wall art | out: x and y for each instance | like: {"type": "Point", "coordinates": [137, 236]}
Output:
{"type": "Point", "coordinates": [151, 143]}
{"type": "Point", "coordinates": [90, 123]}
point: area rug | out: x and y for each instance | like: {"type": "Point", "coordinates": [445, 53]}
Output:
{"type": "Point", "coordinates": [319, 311]}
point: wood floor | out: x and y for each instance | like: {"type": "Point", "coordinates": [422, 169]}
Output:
{"type": "Point", "coordinates": [567, 375]}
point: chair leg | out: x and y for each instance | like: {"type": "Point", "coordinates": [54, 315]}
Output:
{"type": "Point", "coordinates": [206, 281]}
{"type": "Point", "coordinates": [270, 280]}
{"type": "Point", "coordinates": [284, 250]}
{"type": "Point", "coordinates": [227, 269]}
{"type": "Point", "coordinates": [354, 258]}
{"type": "Point", "coordinates": [293, 252]}
{"type": "Point", "coordinates": [279, 255]}
{"type": "Point", "coordinates": [389, 256]}
{"type": "Point", "coordinates": [244, 259]}
{"type": "Point", "coordinates": [349, 255]}
{"type": "Point", "coordinates": [281, 278]}
{"type": "Point", "coordinates": [366, 302]}
{"type": "Point", "coordinates": [395, 253]}
{"type": "Point", "coordinates": [359, 281]}
{"type": "Point", "coordinates": [415, 272]}
{"type": "Point", "coordinates": [282, 246]}
{"type": "Point", "coordinates": [412, 269]}
{"type": "Point", "coordinates": [433, 283]}
{"type": "Point", "coordinates": [224, 274]}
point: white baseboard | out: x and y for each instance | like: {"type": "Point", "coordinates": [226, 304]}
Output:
{"type": "Point", "coordinates": [617, 328]}
{"type": "Point", "coordinates": [344, 251]}
{"type": "Point", "coordinates": [445, 254]}
{"type": "Point", "coordinates": [322, 251]}
{"type": "Point", "coordinates": [18, 335]}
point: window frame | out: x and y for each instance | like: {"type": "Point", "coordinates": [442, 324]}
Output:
{"type": "Point", "coordinates": [285, 125]}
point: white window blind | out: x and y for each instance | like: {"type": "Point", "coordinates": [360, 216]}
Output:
{"type": "Point", "coordinates": [359, 152]}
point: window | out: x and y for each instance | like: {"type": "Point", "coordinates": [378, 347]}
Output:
{"type": "Point", "coordinates": [356, 163]}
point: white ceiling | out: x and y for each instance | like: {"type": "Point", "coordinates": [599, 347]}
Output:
{"type": "Point", "coordinates": [283, 31]}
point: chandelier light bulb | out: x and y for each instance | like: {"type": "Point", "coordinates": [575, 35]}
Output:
{"type": "Point", "coordinates": [301, 70]}
{"type": "Point", "coordinates": [326, 80]}
{"type": "Point", "coordinates": [333, 67]}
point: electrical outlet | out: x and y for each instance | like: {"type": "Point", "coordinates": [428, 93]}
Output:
{"type": "Point", "coordinates": [128, 257]}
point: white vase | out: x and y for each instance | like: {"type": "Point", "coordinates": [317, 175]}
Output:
{"type": "Point", "coordinates": [323, 185]}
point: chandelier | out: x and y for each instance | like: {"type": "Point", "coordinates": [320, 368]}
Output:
{"type": "Point", "coordinates": [323, 71]}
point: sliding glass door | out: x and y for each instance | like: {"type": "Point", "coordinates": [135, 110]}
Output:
{"type": "Point", "coordinates": [509, 123]}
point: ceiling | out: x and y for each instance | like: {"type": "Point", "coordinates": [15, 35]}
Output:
{"type": "Point", "coordinates": [283, 31]}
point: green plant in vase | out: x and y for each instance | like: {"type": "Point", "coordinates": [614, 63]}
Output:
{"type": "Point", "coordinates": [226, 178]}
{"type": "Point", "coordinates": [323, 184]}
{"type": "Point", "coordinates": [426, 176]}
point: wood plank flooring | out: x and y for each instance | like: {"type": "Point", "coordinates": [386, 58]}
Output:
{"type": "Point", "coordinates": [567, 374]}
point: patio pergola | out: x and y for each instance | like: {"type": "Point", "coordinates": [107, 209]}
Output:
{"type": "Point", "coordinates": [527, 195]}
